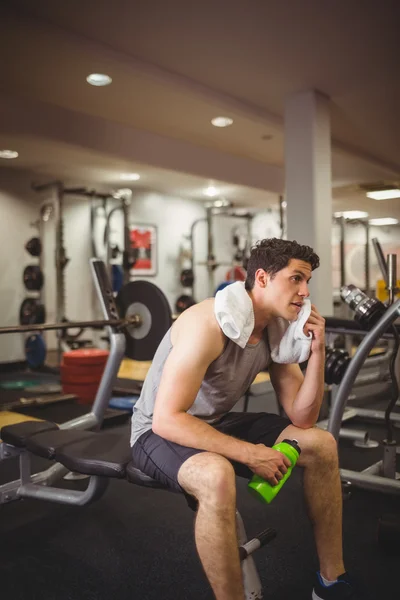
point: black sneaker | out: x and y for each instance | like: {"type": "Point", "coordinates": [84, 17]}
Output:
{"type": "Point", "coordinates": [343, 589]}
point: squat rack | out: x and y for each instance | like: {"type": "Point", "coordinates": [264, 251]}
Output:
{"type": "Point", "coordinates": [61, 260]}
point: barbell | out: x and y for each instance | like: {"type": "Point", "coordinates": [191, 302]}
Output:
{"type": "Point", "coordinates": [145, 319]}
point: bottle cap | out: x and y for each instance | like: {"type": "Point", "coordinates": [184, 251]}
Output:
{"type": "Point", "coordinates": [293, 443]}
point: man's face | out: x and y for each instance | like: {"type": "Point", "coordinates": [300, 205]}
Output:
{"type": "Point", "coordinates": [285, 293]}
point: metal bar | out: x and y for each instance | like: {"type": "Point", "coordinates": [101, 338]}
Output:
{"type": "Point", "coordinates": [210, 251]}
{"type": "Point", "coordinates": [347, 433]}
{"type": "Point", "coordinates": [374, 469]}
{"type": "Point", "coordinates": [367, 290]}
{"type": "Point", "coordinates": [392, 277]}
{"type": "Point", "coordinates": [192, 249]}
{"type": "Point", "coordinates": [132, 320]}
{"type": "Point", "coordinates": [380, 258]}
{"type": "Point", "coordinates": [282, 216]}
{"type": "Point", "coordinates": [376, 415]}
{"type": "Point", "coordinates": [355, 365]}
{"type": "Point", "coordinates": [60, 262]}
{"type": "Point", "coordinates": [96, 488]}
{"type": "Point", "coordinates": [50, 326]}
{"type": "Point", "coordinates": [342, 224]}
{"type": "Point", "coordinates": [251, 579]}
{"type": "Point", "coordinates": [371, 482]}
{"type": "Point", "coordinates": [127, 252]}
{"type": "Point", "coordinates": [360, 332]}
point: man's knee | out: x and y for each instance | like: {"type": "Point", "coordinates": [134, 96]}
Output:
{"type": "Point", "coordinates": [317, 445]}
{"type": "Point", "coordinates": [208, 477]}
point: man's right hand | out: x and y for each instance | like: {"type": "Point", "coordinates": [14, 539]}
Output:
{"type": "Point", "coordinates": [268, 463]}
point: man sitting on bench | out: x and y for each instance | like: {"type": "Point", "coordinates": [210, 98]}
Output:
{"type": "Point", "coordinates": [184, 435]}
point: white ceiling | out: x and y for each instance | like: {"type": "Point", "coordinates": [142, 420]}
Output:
{"type": "Point", "coordinates": [175, 65]}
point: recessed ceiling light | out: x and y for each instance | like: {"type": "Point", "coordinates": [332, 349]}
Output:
{"type": "Point", "coordinates": [222, 203]}
{"type": "Point", "coordinates": [98, 79]}
{"type": "Point", "coordinates": [211, 191]}
{"type": "Point", "coordinates": [384, 194]}
{"type": "Point", "coordinates": [384, 221]}
{"type": "Point", "coordinates": [222, 121]}
{"type": "Point", "coordinates": [352, 214]}
{"type": "Point", "coordinates": [8, 154]}
{"type": "Point", "coordinates": [130, 176]}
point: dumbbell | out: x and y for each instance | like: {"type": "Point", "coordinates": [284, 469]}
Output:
{"type": "Point", "coordinates": [336, 363]}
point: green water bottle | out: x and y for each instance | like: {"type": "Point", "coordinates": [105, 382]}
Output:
{"type": "Point", "coordinates": [264, 491]}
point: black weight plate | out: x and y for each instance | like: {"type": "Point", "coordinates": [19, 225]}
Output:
{"type": "Point", "coordinates": [27, 311]}
{"type": "Point", "coordinates": [41, 314]}
{"type": "Point", "coordinates": [156, 306]}
{"type": "Point", "coordinates": [329, 363]}
{"type": "Point", "coordinates": [340, 367]}
{"type": "Point", "coordinates": [31, 312]}
{"type": "Point", "coordinates": [187, 278]}
{"type": "Point", "coordinates": [184, 302]}
{"type": "Point", "coordinates": [33, 278]}
{"type": "Point", "coordinates": [34, 246]}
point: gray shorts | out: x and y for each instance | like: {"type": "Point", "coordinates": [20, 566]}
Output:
{"type": "Point", "coordinates": [160, 459]}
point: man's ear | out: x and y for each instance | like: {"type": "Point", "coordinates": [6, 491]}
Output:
{"type": "Point", "coordinates": [262, 278]}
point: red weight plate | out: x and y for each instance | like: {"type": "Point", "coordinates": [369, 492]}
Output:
{"type": "Point", "coordinates": [86, 392]}
{"type": "Point", "coordinates": [72, 369]}
{"type": "Point", "coordinates": [86, 356]}
{"type": "Point", "coordinates": [89, 377]}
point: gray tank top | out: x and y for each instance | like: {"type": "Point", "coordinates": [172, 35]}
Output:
{"type": "Point", "coordinates": [225, 382]}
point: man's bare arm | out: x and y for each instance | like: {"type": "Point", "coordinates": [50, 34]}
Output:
{"type": "Point", "coordinates": [300, 396]}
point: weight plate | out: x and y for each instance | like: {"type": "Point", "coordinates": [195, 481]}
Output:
{"type": "Point", "coordinates": [187, 278]}
{"type": "Point", "coordinates": [34, 246]}
{"type": "Point", "coordinates": [184, 302]}
{"type": "Point", "coordinates": [35, 351]}
{"type": "Point", "coordinates": [86, 356]}
{"type": "Point", "coordinates": [31, 312]}
{"type": "Point", "coordinates": [153, 308]}
{"type": "Point", "coordinates": [33, 278]}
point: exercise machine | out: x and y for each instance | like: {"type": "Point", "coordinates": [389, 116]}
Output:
{"type": "Point", "coordinates": [378, 320]}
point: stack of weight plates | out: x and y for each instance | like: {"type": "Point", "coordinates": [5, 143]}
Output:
{"type": "Point", "coordinates": [81, 372]}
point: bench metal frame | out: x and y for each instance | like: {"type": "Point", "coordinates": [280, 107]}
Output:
{"type": "Point", "coordinates": [40, 485]}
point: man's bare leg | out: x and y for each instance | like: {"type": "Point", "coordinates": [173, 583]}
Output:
{"type": "Point", "coordinates": [323, 494]}
{"type": "Point", "coordinates": [211, 479]}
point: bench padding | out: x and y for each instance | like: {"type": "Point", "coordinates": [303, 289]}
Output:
{"type": "Point", "coordinates": [46, 444]}
{"type": "Point", "coordinates": [18, 434]}
{"type": "Point", "coordinates": [103, 453]}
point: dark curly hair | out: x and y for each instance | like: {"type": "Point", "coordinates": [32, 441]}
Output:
{"type": "Point", "coordinates": [274, 254]}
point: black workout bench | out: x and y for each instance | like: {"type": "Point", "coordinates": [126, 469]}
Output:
{"type": "Point", "coordinates": [103, 453]}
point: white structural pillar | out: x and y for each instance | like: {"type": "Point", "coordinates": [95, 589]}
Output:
{"type": "Point", "coordinates": [308, 186]}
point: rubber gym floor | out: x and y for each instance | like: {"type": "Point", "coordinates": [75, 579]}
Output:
{"type": "Point", "coordinates": [138, 543]}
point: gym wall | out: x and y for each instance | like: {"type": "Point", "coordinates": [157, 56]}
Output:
{"type": "Point", "coordinates": [389, 238]}
{"type": "Point", "coordinates": [18, 206]}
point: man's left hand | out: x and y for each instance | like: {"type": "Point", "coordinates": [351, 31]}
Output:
{"type": "Point", "coordinates": [316, 325]}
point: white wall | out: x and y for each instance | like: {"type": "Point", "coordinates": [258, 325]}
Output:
{"type": "Point", "coordinates": [355, 237]}
{"type": "Point", "coordinates": [18, 206]}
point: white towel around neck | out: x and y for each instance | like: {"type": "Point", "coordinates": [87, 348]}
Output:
{"type": "Point", "coordinates": [233, 310]}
